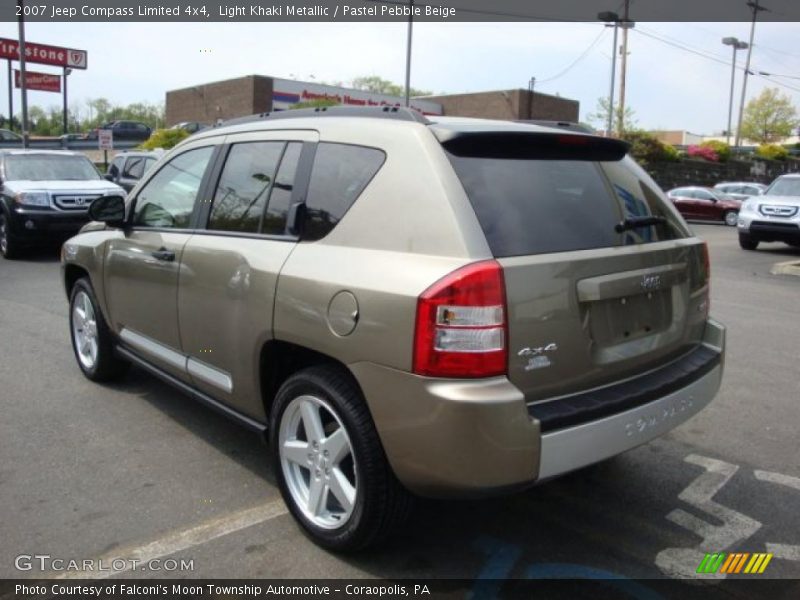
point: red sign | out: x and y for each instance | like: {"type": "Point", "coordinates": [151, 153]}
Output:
{"type": "Point", "coordinates": [44, 82]}
{"type": "Point", "coordinates": [43, 54]}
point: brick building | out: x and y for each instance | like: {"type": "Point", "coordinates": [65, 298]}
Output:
{"type": "Point", "coordinates": [209, 102]}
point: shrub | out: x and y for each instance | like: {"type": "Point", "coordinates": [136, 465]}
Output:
{"type": "Point", "coordinates": [671, 153]}
{"type": "Point", "coordinates": [164, 138]}
{"type": "Point", "coordinates": [703, 152]}
{"type": "Point", "coordinates": [722, 150]}
{"type": "Point", "coordinates": [646, 148]}
{"type": "Point", "coordinates": [772, 152]}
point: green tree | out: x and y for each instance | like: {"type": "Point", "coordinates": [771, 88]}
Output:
{"type": "Point", "coordinates": [378, 85]}
{"type": "Point", "coordinates": [318, 103]}
{"type": "Point", "coordinates": [769, 118]}
{"type": "Point", "coordinates": [599, 119]}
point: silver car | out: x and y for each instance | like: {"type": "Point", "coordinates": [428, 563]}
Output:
{"type": "Point", "coordinates": [773, 217]}
{"type": "Point", "coordinates": [741, 190]}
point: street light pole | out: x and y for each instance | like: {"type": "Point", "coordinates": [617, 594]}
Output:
{"type": "Point", "coordinates": [736, 45]}
{"type": "Point", "coordinates": [22, 77]}
{"type": "Point", "coordinates": [611, 17]}
{"type": "Point", "coordinates": [408, 52]}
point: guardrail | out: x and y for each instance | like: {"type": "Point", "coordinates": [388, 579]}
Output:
{"type": "Point", "coordinates": [57, 144]}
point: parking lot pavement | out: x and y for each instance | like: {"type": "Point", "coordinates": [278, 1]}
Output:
{"type": "Point", "coordinates": [137, 470]}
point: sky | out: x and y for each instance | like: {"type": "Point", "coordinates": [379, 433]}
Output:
{"type": "Point", "coordinates": [667, 87]}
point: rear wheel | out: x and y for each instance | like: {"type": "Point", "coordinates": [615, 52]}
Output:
{"type": "Point", "coordinates": [331, 468]}
{"type": "Point", "coordinates": [747, 242]}
{"type": "Point", "coordinates": [92, 340]}
{"type": "Point", "coordinates": [731, 217]}
{"type": "Point", "coordinates": [8, 247]}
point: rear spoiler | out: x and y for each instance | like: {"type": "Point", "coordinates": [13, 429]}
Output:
{"type": "Point", "coordinates": [530, 145]}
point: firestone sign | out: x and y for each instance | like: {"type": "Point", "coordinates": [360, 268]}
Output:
{"type": "Point", "coordinates": [44, 54]}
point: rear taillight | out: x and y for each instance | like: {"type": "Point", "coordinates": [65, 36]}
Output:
{"type": "Point", "coordinates": [707, 271]}
{"type": "Point", "coordinates": [461, 328]}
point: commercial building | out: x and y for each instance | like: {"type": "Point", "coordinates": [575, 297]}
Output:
{"type": "Point", "coordinates": [221, 100]}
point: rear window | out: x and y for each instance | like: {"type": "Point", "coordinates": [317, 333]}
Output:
{"type": "Point", "coordinates": [540, 206]}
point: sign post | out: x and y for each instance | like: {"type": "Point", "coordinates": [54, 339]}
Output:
{"type": "Point", "coordinates": [105, 142]}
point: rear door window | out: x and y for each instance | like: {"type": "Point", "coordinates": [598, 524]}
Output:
{"type": "Point", "coordinates": [540, 206]}
{"type": "Point", "coordinates": [339, 175]}
{"type": "Point", "coordinates": [280, 199]}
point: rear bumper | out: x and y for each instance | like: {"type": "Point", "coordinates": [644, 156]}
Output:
{"type": "Point", "coordinates": [464, 438]}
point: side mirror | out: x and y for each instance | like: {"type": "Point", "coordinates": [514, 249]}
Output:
{"type": "Point", "coordinates": [108, 209]}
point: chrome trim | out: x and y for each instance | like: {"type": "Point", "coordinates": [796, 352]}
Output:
{"type": "Point", "coordinates": [149, 346]}
{"type": "Point", "coordinates": [576, 447]}
{"type": "Point", "coordinates": [209, 375]}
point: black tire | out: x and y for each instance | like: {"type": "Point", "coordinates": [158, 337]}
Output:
{"type": "Point", "coordinates": [107, 366]}
{"type": "Point", "coordinates": [747, 242]}
{"type": "Point", "coordinates": [730, 217]}
{"type": "Point", "coordinates": [381, 502]}
{"type": "Point", "coordinates": [8, 246]}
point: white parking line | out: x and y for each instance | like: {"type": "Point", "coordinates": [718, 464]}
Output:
{"type": "Point", "coordinates": [779, 478]}
{"type": "Point", "coordinates": [182, 539]}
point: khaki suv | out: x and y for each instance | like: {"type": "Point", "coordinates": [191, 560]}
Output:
{"type": "Point", "coordinates": [403, 306]}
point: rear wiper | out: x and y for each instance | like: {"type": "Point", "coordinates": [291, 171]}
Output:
{"type": "Point", "coordinates": [637, 222]}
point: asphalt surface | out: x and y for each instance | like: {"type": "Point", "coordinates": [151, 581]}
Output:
{"type": "Point", "coordinates": [137, 469]}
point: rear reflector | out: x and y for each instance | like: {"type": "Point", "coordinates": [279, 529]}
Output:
{"type": "Point", "coordinates": [461, 328]}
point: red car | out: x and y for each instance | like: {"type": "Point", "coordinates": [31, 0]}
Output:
{"type": "Point", "coordinates": [706, 204]}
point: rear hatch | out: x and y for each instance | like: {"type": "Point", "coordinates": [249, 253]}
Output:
{"type": "Point", "coordinates": [603, 279]}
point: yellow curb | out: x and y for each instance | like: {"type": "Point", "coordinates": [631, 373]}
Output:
{"type": "Point", "coordinates": [791, 267]}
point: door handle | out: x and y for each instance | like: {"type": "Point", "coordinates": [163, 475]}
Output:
{"type": "Point", "coordinates": [163, 254]}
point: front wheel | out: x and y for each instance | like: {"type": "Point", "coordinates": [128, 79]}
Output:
{"type": "Point", "coordinates": [331, 467]}
{"type": "Point", "coordinates": [731, 217]}
{"type": "Point", "coordinates": [747, 242]}
{"type": "Point", "coordinates": [91, 338]}
{"type": "Point", "coordinates": [8, 247]}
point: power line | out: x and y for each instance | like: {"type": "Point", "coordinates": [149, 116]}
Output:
{"type": "Point", "coordinates": [577, 60]}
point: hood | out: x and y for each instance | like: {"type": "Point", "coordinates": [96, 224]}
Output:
{"type": "Point", "coordinates": [95, 186]}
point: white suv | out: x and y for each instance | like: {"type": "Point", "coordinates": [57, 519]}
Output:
{"type": "Point", "coordinates": [773, 217]}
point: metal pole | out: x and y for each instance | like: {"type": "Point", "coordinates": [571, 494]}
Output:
{"type": "Point", "coordinates": [408, 51]}
{"type": "Point", "coordinates": [10, 98]}
{"type": "Point", "coordinates": [66, 129]}
{"type": "Point", "coordinates": [610, 127]}
{"type": "Point", "coordinates": [22, 75]}
{"type": "Point", "coordinates": [730, 103]}
{"type": "Point", "coordinates": [755, 8]}
{"type": "Point", "coordinates": [623, 71]}
{"type": "Point", "coordinates": [531, 85]}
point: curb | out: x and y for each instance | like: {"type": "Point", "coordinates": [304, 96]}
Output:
{"type": "Point", "coordinates": [791, 267]}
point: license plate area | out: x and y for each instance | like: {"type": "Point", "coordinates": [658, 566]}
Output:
{"type": "Point", "coordinates": [618, 320]}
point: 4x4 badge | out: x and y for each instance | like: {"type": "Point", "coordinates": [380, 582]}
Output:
{"type": "Point", "coordinates": [537, 359]}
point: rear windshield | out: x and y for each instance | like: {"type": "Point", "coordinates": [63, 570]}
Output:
{"type": "Point", "coordinates": [540, 206]}
{"type": "Point", "coordinates": [786, 186]}
{"type": "Point", "coordinates": [49, 167]}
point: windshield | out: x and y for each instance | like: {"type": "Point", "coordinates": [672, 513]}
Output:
{"type": "Point", "coordinates": [49, 167]}
{"type": "Point", "coordinates": [788, 186]}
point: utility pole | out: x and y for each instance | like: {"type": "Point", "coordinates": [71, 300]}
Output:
{"type": "Point", "coordinates": [22, 77]}
{"type": "Point", "coordinates": [531, 84]}
{"type": "Point", "coordinates": [623, 69]}
{"type": "Point", "coordinates": [611, 17]}
{"type": "Point", "coordinates": [756, 9]}
{"type": "Point", "coordinates": [408, 52]}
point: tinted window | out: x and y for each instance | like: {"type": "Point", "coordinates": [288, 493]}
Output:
{"type": "Point", "coordinates": [702, 195]}
{"type": "Point", "coordinates": [148, 164]}
{"type": "Point", "coordinates": [167, 200]}
{"type": "Point", "coordinates": [49, 167]}
{"type": "Point", "coordinates": [280, 199]}
{"type": "Point", "coordinates": [134, 168]}
{"type": "Point", "coordinates": [244, 186]}
{"type": "Point", "coordinates": [116, 166]}
{"type": "Point", "coordinates": [539, 206]}
{"type": "Point", "coordinates": [340, 174]}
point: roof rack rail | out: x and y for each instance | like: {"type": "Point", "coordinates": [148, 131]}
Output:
{"type": "Point", "coordinates": [398, 113]}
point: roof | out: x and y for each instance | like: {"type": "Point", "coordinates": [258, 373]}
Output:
{"type": "Point", "coordinates": [35, 151]}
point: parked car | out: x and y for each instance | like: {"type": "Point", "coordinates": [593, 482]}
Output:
{"type": "Point", "coordinates": [528, 303]}
{"type": "Point", "coordinates": [127, 168]}
{"type": "Point", "coordinates": [6, 135]}
{"type": "Point", "coordinates": [773, 217]}
{"type": "Point", "coordinates": [705, 204]}
{"type": "Point", "coordinates": [72, 137]}
{"type": "Point", "coordinates": [124, 130]}
{"type": "Point", "coordinates": [741, 190]}
{"type": "Point", "coordinates": [44, 196]}
{"type": "Point", "coordinates": [190, 126]}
